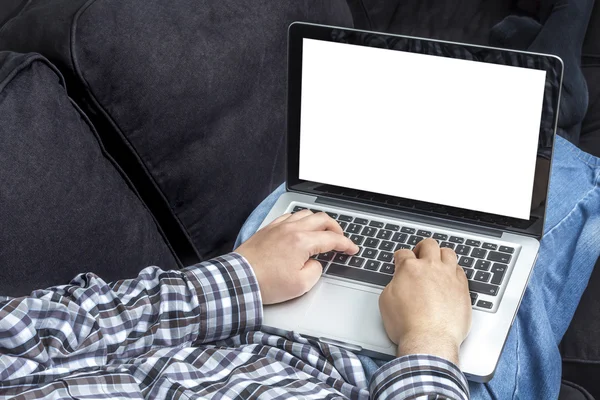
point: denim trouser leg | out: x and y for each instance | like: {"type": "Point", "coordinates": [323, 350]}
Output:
{"type": "Point", "coordinates": [530, 365]}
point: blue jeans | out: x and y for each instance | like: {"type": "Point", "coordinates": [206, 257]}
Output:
{"type": "Point", "coordinates": [530, 365]}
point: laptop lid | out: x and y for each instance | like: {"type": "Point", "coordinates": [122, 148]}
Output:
{"type": "Point", "coordinates": [443, 129]}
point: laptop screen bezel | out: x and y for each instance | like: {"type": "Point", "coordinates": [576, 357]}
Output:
{"type": "Point", "coordinates": [299, 31]}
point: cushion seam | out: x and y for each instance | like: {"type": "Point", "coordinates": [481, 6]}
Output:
{"type": "Point", "coordinates": [581, 360]}
{"type": "Point", "coordinates": [79, 74]}
{"type": "Point", "coordinates": [27, 63]}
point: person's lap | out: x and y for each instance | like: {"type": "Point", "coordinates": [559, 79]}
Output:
{"type": "Point", "coordinates": [530, 365]}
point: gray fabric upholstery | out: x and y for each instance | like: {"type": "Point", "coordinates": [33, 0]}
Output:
{"type": "Point", "coordinates": [572, 391]}
{"type": "Point", "coordinates": [64, 206]}
{"type": "Point", "coordinates": [196, 91]}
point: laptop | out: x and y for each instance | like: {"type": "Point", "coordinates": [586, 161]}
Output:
{"type": "Point", "coordinates": [401, 139]}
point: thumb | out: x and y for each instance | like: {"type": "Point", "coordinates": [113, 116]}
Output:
{"type": "Point", "coordinates": [310, 274]}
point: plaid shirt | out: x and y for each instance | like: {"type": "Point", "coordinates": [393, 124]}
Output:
{"type": "Point", "coordinates": [192, 333]}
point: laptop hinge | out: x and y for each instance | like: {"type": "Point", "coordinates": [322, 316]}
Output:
{"type": "Point", "coordinates": [463, 226]}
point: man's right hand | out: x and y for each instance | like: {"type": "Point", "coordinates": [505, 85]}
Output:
{"type": "Point", "coordinates": [280, 253]}
{"type": "Point", "coordinates": [426, 308]}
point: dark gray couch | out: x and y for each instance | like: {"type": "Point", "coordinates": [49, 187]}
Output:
{"type": "Point", "coordinates": [187, 114]}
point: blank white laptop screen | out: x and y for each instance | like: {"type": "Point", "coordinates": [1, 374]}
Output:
{"type": "Point", "coordinates": [441, 130]}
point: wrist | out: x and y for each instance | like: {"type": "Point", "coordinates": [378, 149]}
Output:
{"type": "Point", "coordinates": [432, 343]}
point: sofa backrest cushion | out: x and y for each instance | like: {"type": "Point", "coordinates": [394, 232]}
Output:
{"type": "Point", "coordinates": [463, 21]}
{"type": "Point", "coordinates": [193, 92]}
{"type": "Point", "coordinates": [65, 207]}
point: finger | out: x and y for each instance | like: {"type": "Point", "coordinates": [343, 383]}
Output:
{"type": "Point", "coordinates": [299, 215]}
{"type": "Point", "coordinates": [427, 249]}
{"type": "Point", "coordinates": [462, 275]}
{"type": "Point", "coordinates": [402, 255]}
{"type": "Point", "coordinates": [310, 274]}
{"type": "Point", "coordinates": [448, 256]}
{"type": "Point", "coordinates": [324, 241]}
{"type": "Point", "coordinates": [281, 218]}
{"type": "Point", "coordinates": [320, 222]}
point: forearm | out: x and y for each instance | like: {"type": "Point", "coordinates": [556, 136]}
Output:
{"type": "Point", "coordinates": [419, 376]}
{"type": "Point", "coordinates": [75, 324]}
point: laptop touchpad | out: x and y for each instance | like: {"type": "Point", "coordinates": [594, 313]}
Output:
{"type": "Point", "coordinates": [341, 312]}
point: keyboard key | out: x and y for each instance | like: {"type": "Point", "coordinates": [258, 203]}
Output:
{"type": "Point", "coordinates": [402, 247]}
{"type": "Point", "coordinates": [372, 265]}
{"type": "Point", "coordinates": [356, 262]}
{"type": "Point", "coordinates": [473, 298]}
{"type": "Point", "coordinates": [376, 224]}
{"type": "Point", "coordinates": [469, 272]}
{"type": "Point", "coordinates": [332, 215]}
{"type": "Point", "coordinates": [361, 275]}
{"type": "Point", "coordinates": [475, 243]}
{"type": "Point", "coordinates": [483, 265]}
{"type": "Point", "coordinates": [341, 258]}
{"type": "Point", "coordinates": [353, 228]}
{"type": "Point", "coordinates": [326, 256]}
{"type": "Point", "coordinates": [478, 287]}
{"type": "Point", "coordinates": [346, 234]}
{"type": "Point", "coordinates": [369, 231]}
{"type": "Point", "coordinates": [490, 246]}
{"type": "Point", "coordinates": [369, 253]}
{"type": "Point", "coordinates": [506, 249]}
{"type": "Point", "coordinates": [499, 257]}
{"type": "Point", "coordinates": [388, 269]}
{"type": "Point", "coordinates": [447, 245]}
{"type": "Point", "coordinates": [463, 250]}
{"type": "Point", "coordinates": [373, 243]}
{"type": "Point", "coordinates": [323, 263]}
{"type": "Point", "coordinates": [392, 227]}
{"type": "Point", "coordinates": [423, 233]}
{"type": "Point", "coordinates": [413, 240]}
{"type": "Point", "coordinates": [466, 262]}
{"type": "Point", "coordinates": [456, 239]}
{"type": "Point", "coordinates": [478, 253]}
{"type": "Point", "coordinates": [361, 221]}
{"type": "Point", "coordinates": [314, 210]}
{"type": "Point", "coordinates": [385, 235]}
{"type": "Point", "coordinates": [358, 240]}
{"type": "Point", "coordinates": [387, 246]}
{"type": "Point", "coordinates": [440, 236]}
{"type": "Point", "coordinates": [498, 271]}
{"type": "Point", "coordinates": [346, 218]}
{"type": "Point", "coordinates": [408, 230]}
{"type": "Point", "coordinates": [485, 304]}
{"type": "Point", "coordinates": [343, 225]}
{"type": "Point", "coordinates": [482, 276]}
{"type": "Point", "coordinates": [386, 257]}
{"type": "Point", "coordinates": [298, 208]}
{"type": "Point", "coordinates": [399, 237]}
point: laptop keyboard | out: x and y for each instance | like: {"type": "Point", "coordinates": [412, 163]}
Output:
{"type": "Point", "coordinates": [485, 263]}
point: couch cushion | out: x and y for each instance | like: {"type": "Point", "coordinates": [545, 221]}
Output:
{"type": "Point", "coordinates": [572, 391]}
{"type": "Point", "coordinates": [590, 131]}
{"type": "Point", "coordinates": [64, 207]}
{"type": "Point", "coordinates": [195, 90]}
{"type": "Point", "coordinates": [466, 21]}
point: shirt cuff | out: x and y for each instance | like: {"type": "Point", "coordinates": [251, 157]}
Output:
{"type": "Point", "coordinates": [419, 375]}
{"type": "Point", "coordinates": [229, 296]}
